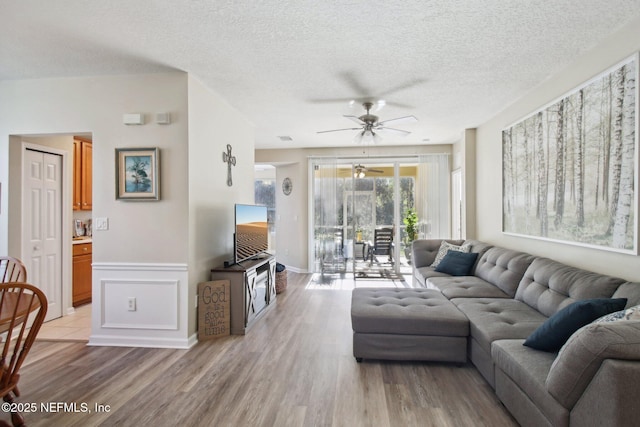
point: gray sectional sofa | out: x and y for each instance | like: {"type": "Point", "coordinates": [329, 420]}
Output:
{"type": "Point", "coordinates": [594, 379]}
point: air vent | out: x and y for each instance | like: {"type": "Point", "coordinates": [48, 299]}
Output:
{"type": "Point", "coordinates": [285, 138]}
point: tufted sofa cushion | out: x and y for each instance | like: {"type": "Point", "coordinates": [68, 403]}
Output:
{"type": "Point", "coordinates": [549, 286]}
{"type": "Point", "coordinates": [630, 291]}
{"type": "Point", "coordinates": [494, 319]}
{"type": "Point", "coordinates": [503, 268]}
{"type": "Point", "coordinates": [424, 251]}
{"type": "Point", "coordinates": [465, 287]}
{"type": "Point", "coordinates": [478, 247]}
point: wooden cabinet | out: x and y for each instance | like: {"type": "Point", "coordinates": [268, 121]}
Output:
{"type": "Point", "coordinates": [82, 273]}
{"type": "Point", "coordinates": [82, 174]}
{"type": "Point", "coordinates": [253, 290]}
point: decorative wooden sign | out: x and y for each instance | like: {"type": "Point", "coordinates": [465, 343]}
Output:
{"type": "Point", "coordinates": [214, 309]}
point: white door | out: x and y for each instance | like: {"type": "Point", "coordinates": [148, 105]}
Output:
{"type": "Point", "coordinates": [42, 225]}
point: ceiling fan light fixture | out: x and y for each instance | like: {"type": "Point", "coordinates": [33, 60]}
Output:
{"type": "Point", "coordinates": [376, 138]}
{"type": "Point", "coordinates": [369, 137]}
{"type": "Point", "coordinates": [370, 123]}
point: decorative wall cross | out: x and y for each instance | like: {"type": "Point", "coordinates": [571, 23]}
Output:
{"type": "Point", "coordinates": [230, 161]}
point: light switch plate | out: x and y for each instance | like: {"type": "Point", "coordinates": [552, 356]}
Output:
{"type": "Point", "coordinates": [101, 224]}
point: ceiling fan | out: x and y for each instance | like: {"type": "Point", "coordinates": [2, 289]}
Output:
{"type": "Point", "coordinates": [370, 126]}
{"type": "Point", "coordinates": [359, 171]}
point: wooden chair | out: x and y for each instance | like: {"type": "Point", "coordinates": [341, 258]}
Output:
{"type": "Point", "coordinates": [22, 311]}
{"type": "Point", "coordinates": [12, 270]}
{"type": "Point", "coordinates": [382, 244]}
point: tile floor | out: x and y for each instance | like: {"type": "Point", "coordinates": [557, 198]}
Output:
{"type": "Point", "coordinates": [75, 327]}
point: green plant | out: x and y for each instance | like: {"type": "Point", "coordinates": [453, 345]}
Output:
{"type": "Point", "coordinates": [410, 221]}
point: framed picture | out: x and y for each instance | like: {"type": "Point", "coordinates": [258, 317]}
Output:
{"type": "Point", "coordinates": [137, 174]}
{"type": "Point", "coordinates": [570, 168]}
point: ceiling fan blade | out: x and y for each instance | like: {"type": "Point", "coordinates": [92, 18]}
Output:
{"type": "Point", "coordinates": [403, 86]}
{"type": "Point", "coordinates": [400, 105]}
{"type": "Point", "coordinates": [352, 81]}
{"type": "Point", "coordinates": [337, 130]}
{"type": "Point", "coordinates": [392, 131]}
{"type": "Point", "coordinates": [374, 170]}
{"type": "Point", "coordinates": [330, 100]}
{"type": "Point", "coordinates": [405, 119]}
{"type": "Point", "coordinates": [355, 119]}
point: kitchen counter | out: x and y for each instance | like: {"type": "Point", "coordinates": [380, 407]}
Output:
{"type": "Point", "coordinates": [79, 240]}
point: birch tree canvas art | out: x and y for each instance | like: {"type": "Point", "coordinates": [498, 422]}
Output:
{"type": "Point", "coordinates": [569, 169]}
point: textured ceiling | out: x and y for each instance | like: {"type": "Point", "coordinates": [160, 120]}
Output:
{"type": "Point", "coordinates": [291, 67]}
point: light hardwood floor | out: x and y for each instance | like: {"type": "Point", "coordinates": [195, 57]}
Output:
{"type": "Point", "coordinates": [293, 368]}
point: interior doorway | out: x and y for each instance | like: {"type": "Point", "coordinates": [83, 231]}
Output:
{"type": "Point", "coordinates": [30, 239]}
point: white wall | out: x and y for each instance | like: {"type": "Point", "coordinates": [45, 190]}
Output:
{"type": "Point", "coordinates": [213, 124]}
{"type": "Point", "coordinates": [156, 252]}
{"type": "Point", "coordinates": [144, 253]}
{"type": "Point", "coordinates": [489, 161]}
{"type": "Point", "coordinates": [464, 159]}
{"type": "Point", "coordinates": [96, 105]}
{"type": "Point", "coordinates": [292, 222]}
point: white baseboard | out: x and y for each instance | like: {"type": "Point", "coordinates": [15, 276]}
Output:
{"type": "Point", "coordinates": [296, 269]}
{"type": "Point", "coordinates": [137, 341]}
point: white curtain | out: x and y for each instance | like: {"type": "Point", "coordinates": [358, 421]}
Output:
{"type": "Point", "coordinates": [432, 196]}
{"type": "Point", "coordinates": [325, 206]}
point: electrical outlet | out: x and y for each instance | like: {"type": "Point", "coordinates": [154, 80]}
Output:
{"type": "Point", "coordinates": [131, 304]}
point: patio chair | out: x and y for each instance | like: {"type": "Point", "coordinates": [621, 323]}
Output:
{"type": "Point", "coordinates": [382, 244]}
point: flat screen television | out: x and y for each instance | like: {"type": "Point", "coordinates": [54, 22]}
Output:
{"type": "Point", "coordinates": [251, 231]}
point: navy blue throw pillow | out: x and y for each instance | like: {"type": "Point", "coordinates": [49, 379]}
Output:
{"type": "Point", "coordinates": [457, 263]}
{"type": "Point", "coordinates": [556, 330]}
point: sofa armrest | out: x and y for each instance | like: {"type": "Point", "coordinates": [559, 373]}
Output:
{"type": "Point", "coordinates": [611, 399]}
{"type": "Point", "coordinates": [585, 352]}
{"type": "Point", "coordinates": [424, 251]}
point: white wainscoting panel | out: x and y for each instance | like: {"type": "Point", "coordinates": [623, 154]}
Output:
{"type": "Point", "coordinates": [155, 301]}
{"type": "Point", "coordinates": [160, 318]}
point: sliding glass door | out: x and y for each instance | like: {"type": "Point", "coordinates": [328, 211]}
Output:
{"type": "Point", "coordinates": [355, 201]}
